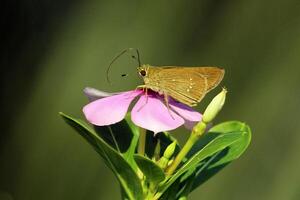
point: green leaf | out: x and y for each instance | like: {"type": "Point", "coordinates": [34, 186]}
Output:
{"type": "Point", "coordinates": [123, 136]}
{"type": "Point", "coordinates": [153, 173]}
{"type": "Point", "coordinates": [215, 141]}
{"type": "Point", "coordinates": [128, 155]}
{"type": "Point", "coordinates": [171, 192]}
{"type": "Point", "coordinates": [223, 158]}
{"type": "Point", "coordinates": [165, 140]}
{"type": "Point", "coordinates": [113, 159]}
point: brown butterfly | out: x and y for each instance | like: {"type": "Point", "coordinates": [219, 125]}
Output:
{"type": "Point", "coordinates": [187, 85]}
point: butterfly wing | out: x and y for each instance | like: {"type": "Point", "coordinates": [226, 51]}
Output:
{"type": "Point", "coordinates": [188, 84]}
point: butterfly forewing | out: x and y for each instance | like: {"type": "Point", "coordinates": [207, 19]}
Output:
{"type": "Point", "coordinates": [185, 84]}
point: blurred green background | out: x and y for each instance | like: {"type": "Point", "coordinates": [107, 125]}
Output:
{"type": "Point", "coordinates": [51, 50]}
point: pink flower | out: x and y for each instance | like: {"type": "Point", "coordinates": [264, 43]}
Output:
{"type": "Point", "coordinates": [151, 114]}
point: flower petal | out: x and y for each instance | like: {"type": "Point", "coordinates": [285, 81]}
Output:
{"type": "Point", "coordinates": [94, 94]}
{"type": "Point", "coordinates": [189, 124]}
{"type": "Point", "coordinates": [109, 110]}
{"type": "Point", "coordinates": [153, 115]}
{"type": "Point", "coordinates": [185, 111]}
{"type": "Point", "coordinates": [190, 116]}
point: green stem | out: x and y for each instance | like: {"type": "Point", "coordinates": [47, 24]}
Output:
{"type": "Point", "coordinates": [186, 148]}
{"type": "Point", "coordinates": [197, 132]}
{"type": "Point", "coordinates": [142, 141]}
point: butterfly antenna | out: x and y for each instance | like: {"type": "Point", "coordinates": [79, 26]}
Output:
{"type": "Point", "coordinates": [113, 60]}
{"type": "Point", "coordinates": [118, 56]}
{"type": "Point", "coordinates": [138, 57]}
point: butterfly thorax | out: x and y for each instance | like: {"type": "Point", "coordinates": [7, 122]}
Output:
{"type": "Point", "coordinates": [151, 78]}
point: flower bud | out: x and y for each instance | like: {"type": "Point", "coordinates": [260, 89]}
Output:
{"type": "Point", "coordinates": [170, 150]}
{"type": "Point", "coordinates": [214, 107]}
{"type": "Point", "coordinates": [157, 150]}
{"type": "Point", "coordinates": [163, 161]}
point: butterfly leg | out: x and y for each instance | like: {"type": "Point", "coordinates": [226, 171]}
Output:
{"type": "Point", "coordinates": [145, 90]}
{"type": "Point", "coordinates": [166, 98]}
{"type": "Point", "coordinates": [139, 87]}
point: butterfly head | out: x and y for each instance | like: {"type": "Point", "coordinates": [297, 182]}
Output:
{"type": "Point", "coordinates": [143, 70]}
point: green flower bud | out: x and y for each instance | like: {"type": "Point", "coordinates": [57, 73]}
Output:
{"type": "Point", "coordinates": [170, 162]}
{"type": "Point", "coordinates": [163, 161]}
{"type": "Point", "coordinates": [214, 107]}
{"type": "Point", "coordinates": [170, 150]}
{"type": "Point", "coordinates": [157, 151]}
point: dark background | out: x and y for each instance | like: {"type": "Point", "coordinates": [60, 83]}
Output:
{"type": "Point", "coordinates": [51, 50]}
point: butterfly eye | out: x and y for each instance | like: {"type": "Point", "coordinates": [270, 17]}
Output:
{"type": "Point", "coordinates": [143, 73]}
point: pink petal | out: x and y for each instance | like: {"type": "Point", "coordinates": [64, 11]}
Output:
{"type": "Point", "coordinates": [190, 116]}
{"type": "Point", "coordinates": [153, 115]}
{"type": "Point", "coordinates": [109, 110]}
{"type": "Point", "coordinates": [185, 111]}
{"type": "Point", "coordinates": [189, 124]}
{"type": "Point", "coordinates": [94, 94]}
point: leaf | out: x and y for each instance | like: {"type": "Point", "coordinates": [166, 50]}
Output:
{"type": "Point", "coordinates": [128, 155]}
{"type": "Point", "coordinates": [123, 136]}
{"type": "Point", "coordinates": [165, 140]}
{"type": "Point", "coordinates": [183, 194]}
{"type": "Point", "coordinates": [216, 140]}
{"type": "Point", "coordinates": [232, 152]}
{"type": "Point", "coordinates": [153, 172]}
{"type": "Point", "coordinates": [113, 159]}
{"type": "Point", "coordinates": [171, 192]}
